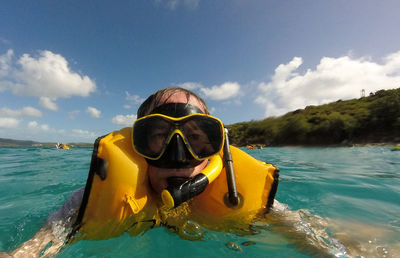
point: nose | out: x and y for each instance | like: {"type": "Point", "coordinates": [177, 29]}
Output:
{"type": "Point", "coordinates": [176, 156]}
{"type": "Point", "coordinates": [178, 151]}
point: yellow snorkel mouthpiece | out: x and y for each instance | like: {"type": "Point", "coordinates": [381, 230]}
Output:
{"type": "Point", "coordinates": [183, 190]}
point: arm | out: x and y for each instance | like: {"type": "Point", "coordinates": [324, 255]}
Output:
{"type": "Point", "coordinates": [308, 233]}
{"type": "Point", "coordinates": [38, 243]}
{"type": "Point", "coordinates": [49, 239]}
{"type": "Point", "coordinates": [323, 237]}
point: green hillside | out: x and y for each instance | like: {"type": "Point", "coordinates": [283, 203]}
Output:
{"type": "Point", "coordinates": [371, 119]}
{"type": "Point", "coordinates": [11, 142]}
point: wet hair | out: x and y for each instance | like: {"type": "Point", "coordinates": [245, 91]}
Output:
{"type": "Point", "coordinates": [162, 96]}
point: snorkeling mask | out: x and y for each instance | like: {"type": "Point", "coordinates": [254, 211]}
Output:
{"type": "Point", "coordinates": [177, 135]}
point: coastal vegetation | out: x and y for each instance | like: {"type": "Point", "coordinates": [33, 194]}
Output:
{"type": "Point", "coordinates": [372, 119]}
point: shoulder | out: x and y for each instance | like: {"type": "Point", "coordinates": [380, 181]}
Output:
{"type": "Point", "coordinates": [69, 208]}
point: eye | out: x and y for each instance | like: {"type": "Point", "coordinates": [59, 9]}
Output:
{"type": "Point", "coordinates": [158, 136]}
{"type": "Point", "coordinates": [193, 137]}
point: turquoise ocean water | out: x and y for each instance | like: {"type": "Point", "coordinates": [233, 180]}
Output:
{"type": "Point", "coordinates": [351, 191]}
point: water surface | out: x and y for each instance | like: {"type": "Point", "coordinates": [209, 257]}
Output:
{"type": "Point", "coordinates": [355, 189]}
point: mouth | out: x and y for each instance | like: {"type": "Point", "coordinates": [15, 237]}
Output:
{"type": "Point", "coordinates": [180, 172]}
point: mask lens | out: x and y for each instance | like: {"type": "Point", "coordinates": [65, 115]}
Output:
{"type": "Point", "coordinates": [151, 135]}
{"type": "Point", "coordinates": [204, 135]}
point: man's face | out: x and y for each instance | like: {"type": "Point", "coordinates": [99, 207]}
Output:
{"type": "Point", "coordinates": [158, 176]}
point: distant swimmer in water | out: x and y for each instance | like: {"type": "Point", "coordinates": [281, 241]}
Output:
{"type": "Point", "coordinates": [171, 167]}
{"type": "Point", "coordinates": [61, 146]}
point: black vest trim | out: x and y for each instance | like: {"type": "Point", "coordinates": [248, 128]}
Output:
{"type": "Point", "coordinates": [97, 166]}
{"type": "Point", "coordinates": [274, 188]}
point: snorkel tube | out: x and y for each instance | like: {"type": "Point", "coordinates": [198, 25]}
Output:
{"type": "Point", "coordinates": [180, 190]}
{"type": "Point", "coordinates": [233, 198]}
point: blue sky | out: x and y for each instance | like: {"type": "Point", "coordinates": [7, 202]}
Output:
{"type": "Point", "coordinates": [76, 70]}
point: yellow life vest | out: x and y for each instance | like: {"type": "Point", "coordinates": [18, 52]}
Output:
{"type": "Point", "coordinates": [118, 197]}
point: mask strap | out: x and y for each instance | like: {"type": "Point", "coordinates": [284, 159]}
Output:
{"type": "Point", "coordinates": [177, 109]}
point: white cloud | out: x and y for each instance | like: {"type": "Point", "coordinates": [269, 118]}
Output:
{"type": "Point", "coordinates": [73, 114]}
{"type": "Point", "coordinates": [393, 64]}
{"type": "Point", "coordinates": [33, 124]}
{"type": "Point", "coordinates": [5, 41]}
{"type": "Point", "coordinates": [332, 79]}
{"type": "Point", "coordinates": [12, 128]}
{"type": "Point", "coordinates": [174, 4]}
{"type": "Point", "coordinates": [126, 120]}
{"type": "Point", "coordinates": [42, 127]}
{"type": "Point", "coordinates": [5, 63]}
{"type": "Point", "coordinates": [36, 128]}
{"type": "Point", "coordinates": [190, 85]}
{"type": "Point", "coordinates": [135, 99]}
{"type": "Point", "coordinates": [48, 77]}
{"type": "Point", "coordinates": [93, 112]}
{"type": "Point", "coordinates": [48, 103]}
{"type": "Point", "coordinates": [8, 122]}
{"type": "Point", "coordinates": [223, 92]}
{"type": "Point", "coordinates": [212, 110]}
{"type": "Point", "coordinates": [45, 127]}
{"type": "Point", "coordinates": [83, 134]}
{"type": "Point", "coordinates": [25, 111]}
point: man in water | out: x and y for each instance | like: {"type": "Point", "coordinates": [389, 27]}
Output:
{"type": "Point", "coordinates": [60, 223]}
{"type": "Point", "coordinates": [158, 172]}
